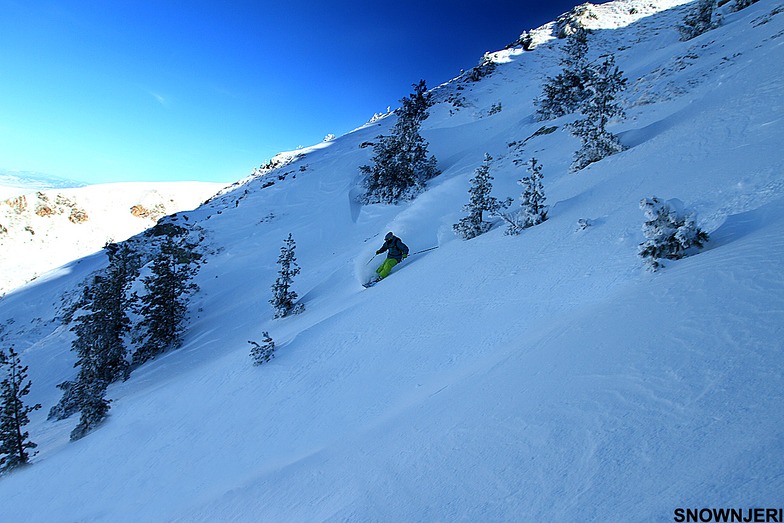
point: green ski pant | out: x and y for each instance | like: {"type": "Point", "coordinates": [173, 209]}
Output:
{"type": "Point", "coordinates": [385, 268]}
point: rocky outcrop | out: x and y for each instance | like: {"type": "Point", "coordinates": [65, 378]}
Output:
{"type": "Point", "coordinates": [153, 213]}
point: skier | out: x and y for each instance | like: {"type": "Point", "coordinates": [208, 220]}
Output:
{"type": "Point", "coordinates": [396, 251]}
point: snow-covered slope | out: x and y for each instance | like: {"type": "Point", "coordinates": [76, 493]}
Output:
{"type": "Point", "coordinates": [42, 230]}
{"type": "Point", "coordinates": [541, 377]}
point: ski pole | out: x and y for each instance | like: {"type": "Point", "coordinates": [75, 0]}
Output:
{"type": "Point", "coordinates": [371, 259]}
{"type": "Point", "coordinates": [423, 250]}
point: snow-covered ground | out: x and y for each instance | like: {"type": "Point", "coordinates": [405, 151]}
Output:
{"type": "Point", "coordinates": [539, 377]}
{"type": "Point", "coordinates": [42, 230]}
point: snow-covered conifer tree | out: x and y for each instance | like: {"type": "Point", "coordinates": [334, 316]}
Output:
{"type": "Point", "coordinates": [401, 165]}
{"type": "Point", "coordinates": [699, 20]}
{"type": "Point", "coordinates": [101, 355]}
{"type": "Point", "coordinates": [14, 442]}
{"type": "Point", "coordinates": [68, 404]}
{"type": "Point", "coordinates": [262, 353]}
{"type": "Point", "coordinates": [564, 93]}
{"type": "Point", "coordinates": [670, 231]}
{"type": "Point", "coordinates": [100, 333]}
{"type": "Point", "coordinates": [597, 110]}
{"type": "Point", "coordinates": [283, 297]}
{"type": "Point", "coordinates": [111, 305]}
{"type": "Point", "coordinates": [82, 345]}
{"type": "Point", "coordinates": [94, 344]}
{"type": "Point", "coordinates": [534, 210]}
{"type": "Point", "coordinates": [479, 202]}
{"type": "Point", "coordinates": [165, 305]}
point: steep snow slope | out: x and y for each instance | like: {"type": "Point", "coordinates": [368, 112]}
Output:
{"type": "Point", "coordinates": [42, 230]}
{"type": "Point", "coordinates": [543, 377]}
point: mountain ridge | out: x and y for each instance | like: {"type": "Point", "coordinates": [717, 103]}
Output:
{"type": "Point", "coordinates": [15, 183]}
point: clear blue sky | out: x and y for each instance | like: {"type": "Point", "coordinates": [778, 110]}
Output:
{"type": "Point", "coordinates": [104, 91]}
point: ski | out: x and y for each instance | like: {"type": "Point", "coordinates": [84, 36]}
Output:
{"type": "Point", "coordinates": [369, 284]}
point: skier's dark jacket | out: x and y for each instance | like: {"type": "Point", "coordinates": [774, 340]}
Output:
{"type": "Point", "coordinates": [395, 247]}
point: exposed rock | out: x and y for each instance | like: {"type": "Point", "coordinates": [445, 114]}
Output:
{"type": "Point", "coordinates": [18, 204]}
{"type": "Point", "coordinates": [155, 213]}
{"type": "Point", "coordinates": [78, 216]}
{"type": "Point", "coordinates": [167, 229]}
{"type": "Point", "coordinates": [44, 211]}
{"type": "Point", "coordinates": [573, 21]}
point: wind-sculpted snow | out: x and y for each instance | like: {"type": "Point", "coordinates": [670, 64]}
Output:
{"type": "Point", "coordinates": [541, 377]}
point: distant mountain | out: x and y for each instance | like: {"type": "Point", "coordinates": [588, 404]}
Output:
{"type": "Point", "coordinates": [13, 183]}
{"type": "Point", "coordinates": [44, 229]}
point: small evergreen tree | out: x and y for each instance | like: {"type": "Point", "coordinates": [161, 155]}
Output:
{"type": "Point", "coordinates": [165, 305]}
{"type": "Point", "coordinates": [534, 210]}
{"type": "Point", "coordinates": [479, 202]}
{"type": "Point", "coordinates": [400, 161]}
{"type": "Point", "coordinates": [698, 20]}
{"type": "Point", "coordinates": [564, 93]}
{"type": "Point", "coordinates": [283, 297]}
{"type": "Point", "coordinates": [597, 110]}
{"type": "Point", "coordinates": [14, 443]}
{"type": "Point", "coordinates": [670, 231]}
{"type": "Point", "coordinates": [262, 353]}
